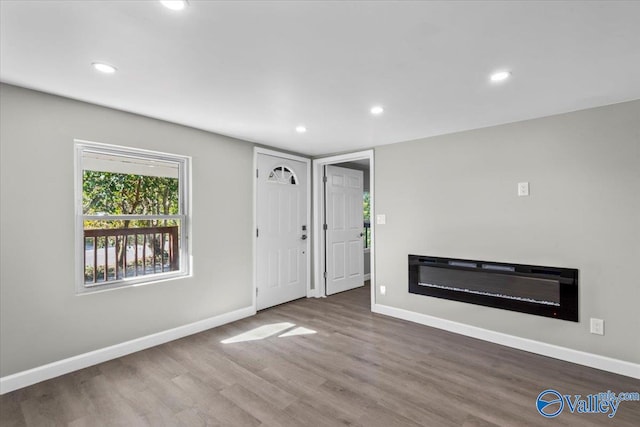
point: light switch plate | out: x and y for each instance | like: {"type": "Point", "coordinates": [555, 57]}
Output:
{"type": "Point", "coordinates": [381, 219]}
{"type": "Point", "coordinates": [523, 189]}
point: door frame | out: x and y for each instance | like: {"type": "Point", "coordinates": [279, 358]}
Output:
{"type": "Point", "coordinates": [318, 216]}
{"type": "Point", "coordinates": [307, 161]}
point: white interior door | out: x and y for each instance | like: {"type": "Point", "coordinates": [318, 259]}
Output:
{"type": "Point", "coordinates": [282, 244]}
{"type": "Point", "coordinates": [344, 219]}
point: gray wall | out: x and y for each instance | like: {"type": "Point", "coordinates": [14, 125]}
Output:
{"type": "Point", "coordinates": [42, 320]}
{"type": "Point", "coordinates": [456, 196]}
{"type": "Point", "coordinates": [452, 196]}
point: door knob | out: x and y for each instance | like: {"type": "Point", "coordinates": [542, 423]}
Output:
{"type": "Point", "coordinates": [361, 234]}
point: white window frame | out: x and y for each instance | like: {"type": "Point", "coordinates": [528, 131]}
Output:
{"type": "Point", "coordinates": [184, 186]}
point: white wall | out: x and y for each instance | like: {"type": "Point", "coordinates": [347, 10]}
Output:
{"type": "Point", "coordinates": [42, 320]}
{"type": "Point", "coordinates": [455, 196]}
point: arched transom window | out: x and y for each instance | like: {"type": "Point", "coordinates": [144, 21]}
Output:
{"type": "Point", "coordinates": [282, 175]}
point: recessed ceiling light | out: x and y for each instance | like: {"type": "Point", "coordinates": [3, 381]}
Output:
{"type": "Point", "coordinates": [174, 4]}
{"type": "Point", "coordinates": [301, 129]}
{"type": "Point", "coordinates": [104, 68]}
{"type": "Point", "coordinates": [500, 76]}
{"type": "Point", "coordinates": [377, 110]}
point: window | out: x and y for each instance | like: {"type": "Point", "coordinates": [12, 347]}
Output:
{"type": "Point", "coordinates": [132, 216]}
{"type": "Point", "coordinates": [282, 175]}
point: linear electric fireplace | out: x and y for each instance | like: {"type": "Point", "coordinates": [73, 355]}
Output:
{"type": "Point", "coordinates": [545, 291]}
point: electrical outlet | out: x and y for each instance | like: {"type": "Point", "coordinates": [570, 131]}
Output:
{"type": "Point", "coordinates": [383, 290]}
{"type": "Point", "coordinates": [523, 189]}
{"type": "Point", "coordinates": [597, 326]}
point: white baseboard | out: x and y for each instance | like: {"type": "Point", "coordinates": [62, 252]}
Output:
{"type": "Point", "coordinates": [574, 356]}
{"type": "Point", "coordinates": [61, 367]}
{"type": "Point", "coordinates": [367, 276]}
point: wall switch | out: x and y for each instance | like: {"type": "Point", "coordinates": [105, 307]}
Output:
{"type": "Point", "coordinates": [597, 326]}
{"type": "Point", "coordinates": [381, 219]}
{"type": "Point", "coordinates": [523, 189]}
{"type": "Point", "coordinates": [383, 290]}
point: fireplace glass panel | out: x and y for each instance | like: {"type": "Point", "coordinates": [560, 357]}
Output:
{"type": "Point", "coordinates": [529, 289]}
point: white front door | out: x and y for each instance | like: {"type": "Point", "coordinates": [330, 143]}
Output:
{"type": "Point", "coordinates": [282, 244]}
{"type": "Point", "coordinates": [344, 219]}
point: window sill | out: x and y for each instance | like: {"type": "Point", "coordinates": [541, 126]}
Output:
{"type": "Point", "coordinates": [130, 283]}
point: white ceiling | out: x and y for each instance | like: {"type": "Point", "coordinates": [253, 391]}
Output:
{"type": "Point", "coordinates": [257, 69]}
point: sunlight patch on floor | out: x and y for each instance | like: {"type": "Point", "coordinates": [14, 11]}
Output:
{"type": "Point", "coordinates": [259, 333]}
{"type": "Point", "coordinates": [285, 329]}
{"type": "Point", "coordinates": [300, 330]}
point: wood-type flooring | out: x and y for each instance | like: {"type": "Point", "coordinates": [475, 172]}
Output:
{"type": "Point", "coordinates": [318, 362]}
